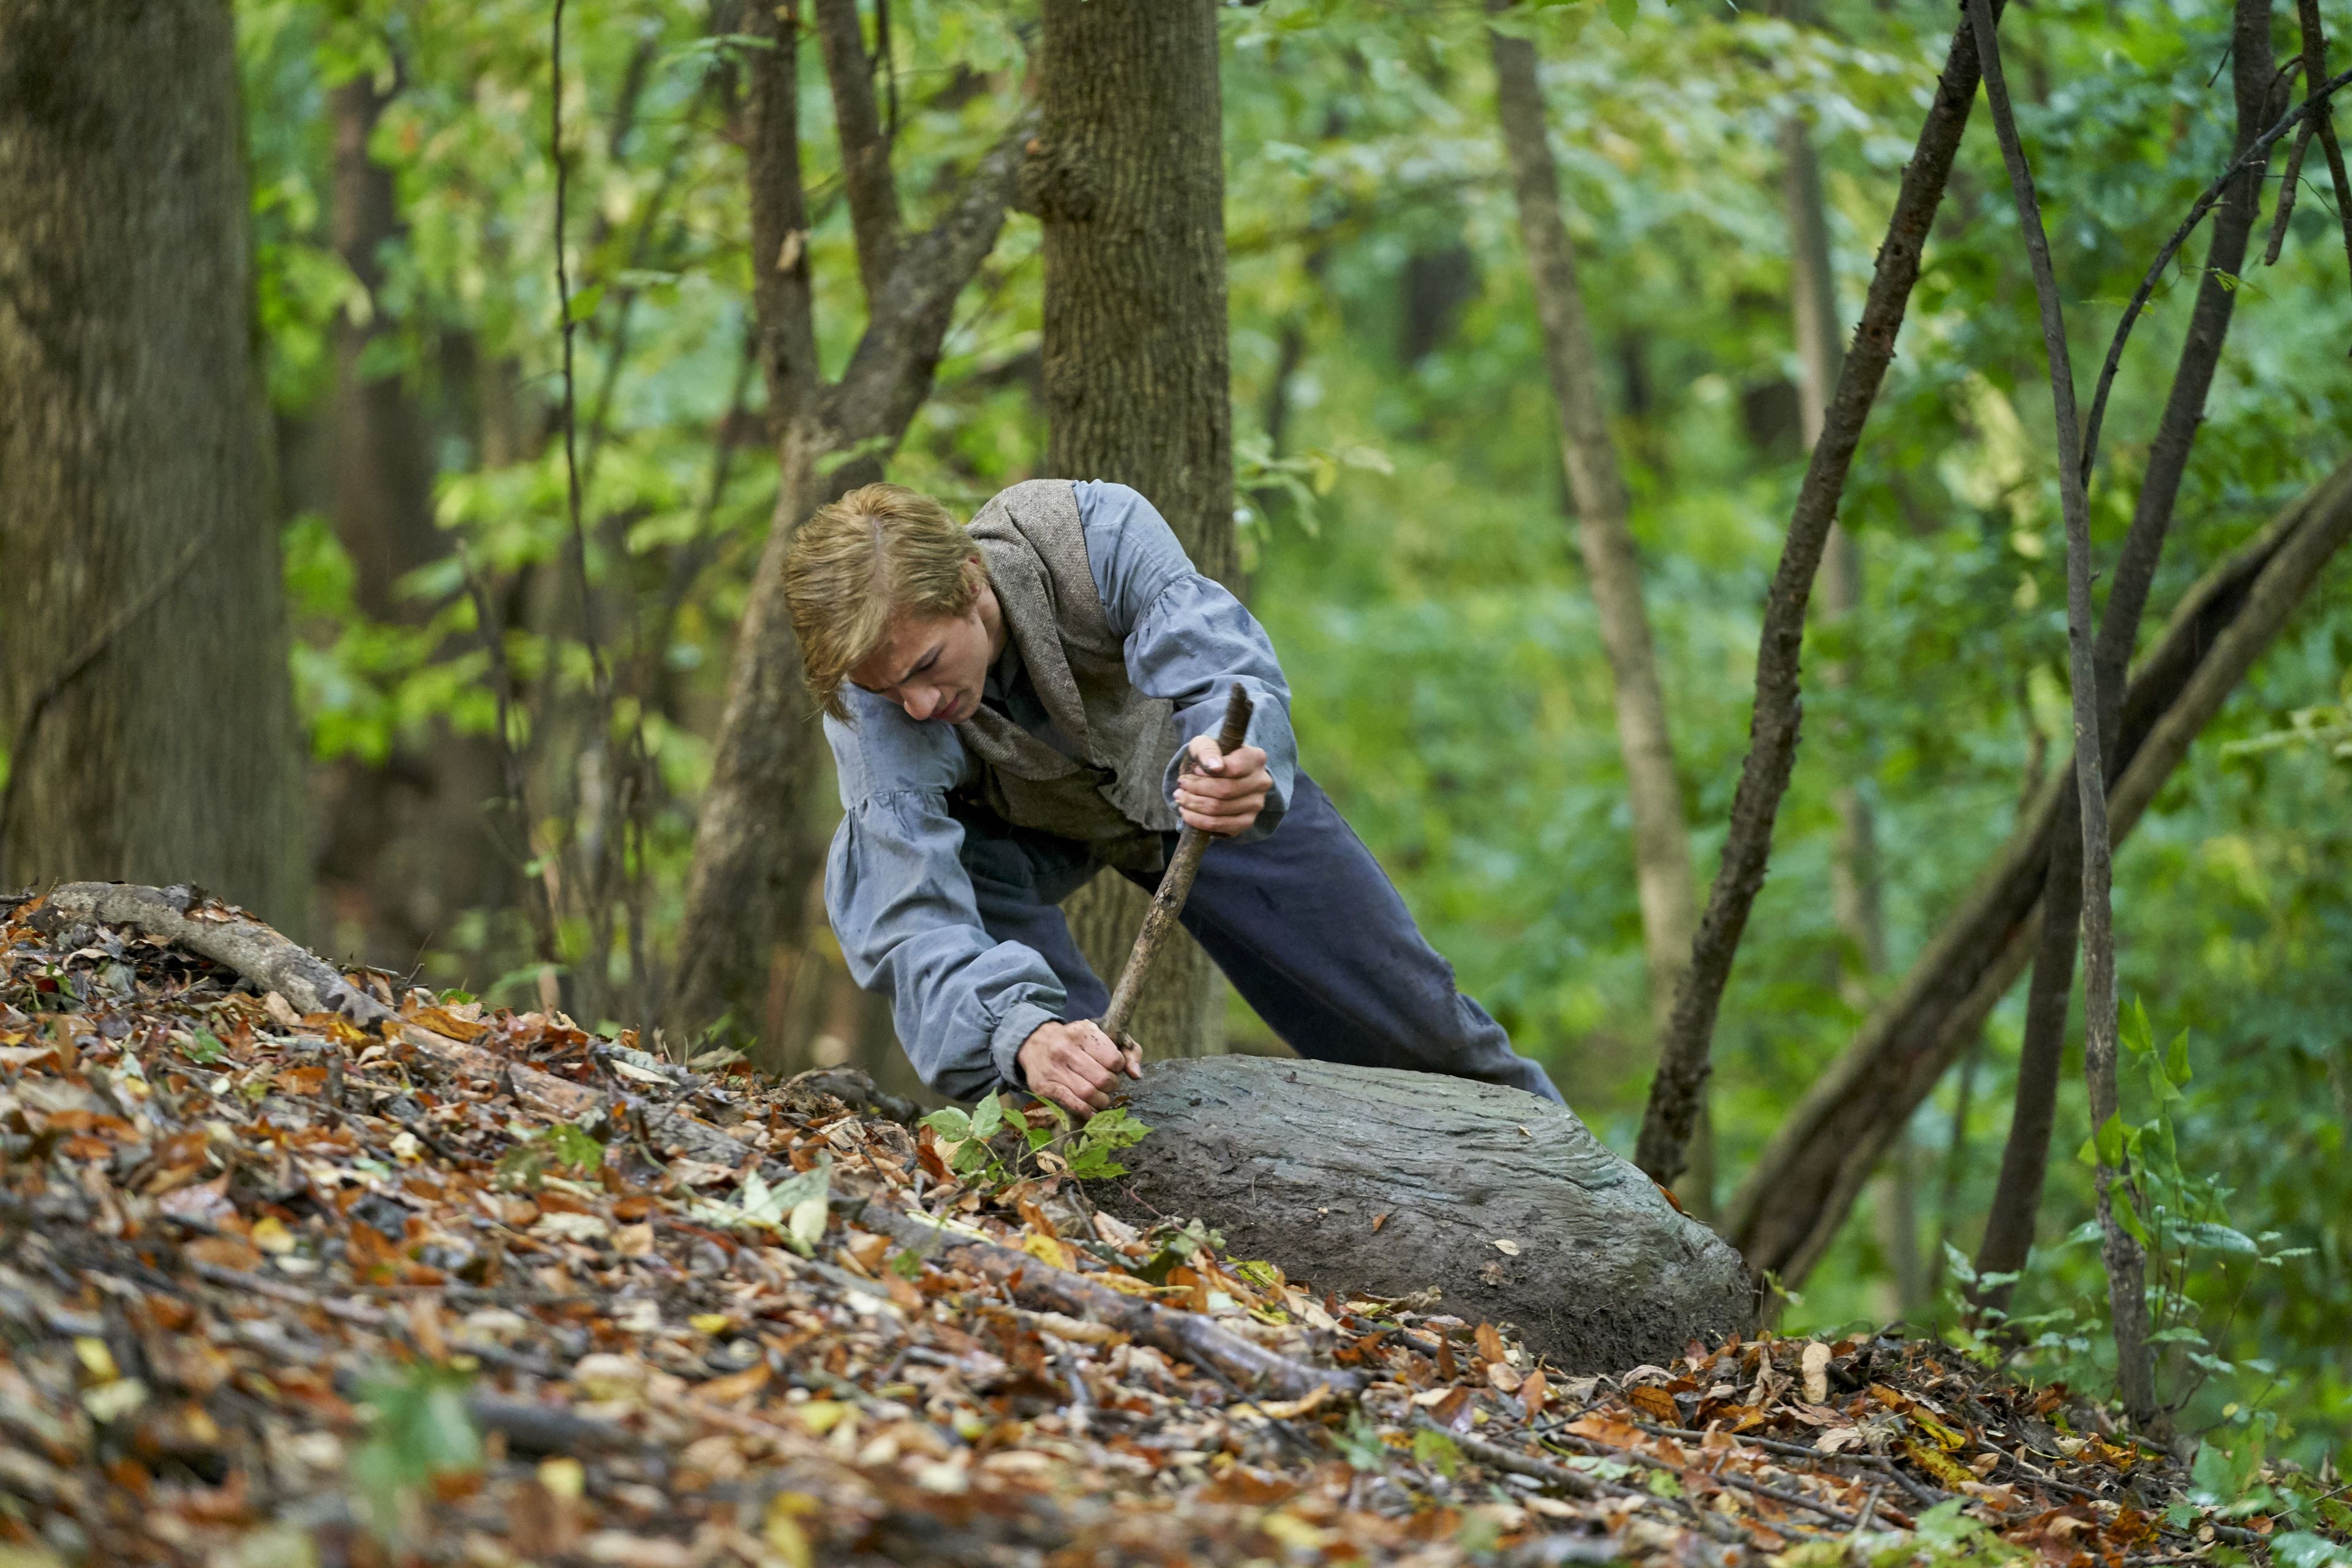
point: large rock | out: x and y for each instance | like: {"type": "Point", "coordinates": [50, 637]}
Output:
{"type": "Point", "coordinates": [1295, 1161]}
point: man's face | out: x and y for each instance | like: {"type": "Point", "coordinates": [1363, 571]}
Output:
{"type": "Point", "coordinates": [932, 668]}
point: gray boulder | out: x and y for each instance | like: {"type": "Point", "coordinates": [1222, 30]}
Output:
{"type": "Point", "coordinates": [1507, 1203]}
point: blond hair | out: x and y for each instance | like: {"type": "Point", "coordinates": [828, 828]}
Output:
{"type": "Point", "coordinates": [876, 554]}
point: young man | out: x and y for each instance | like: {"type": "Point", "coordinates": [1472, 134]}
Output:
{"type": "Point", "coordinates": [1007, 706]}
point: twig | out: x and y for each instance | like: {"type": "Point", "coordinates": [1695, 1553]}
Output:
{"type": "Point", "coordinates": [1778, 1494]}
{"type": "Point", "coordinates": [2254, 155]}
{"type": "Point", "coordinates": [1925, 1495]}
{"type": "Point", "coordinates": [2322, 119]}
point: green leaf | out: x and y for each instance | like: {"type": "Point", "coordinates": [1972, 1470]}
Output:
{"type": "Point", "coordinates": [952, 1124]}
{"type": "Point", "coordinates": [1622, 12]}
{"type": "Point", "coordinates": [2221, 1238]}
{"type": "Point", "coordinates": [2301, 1548]}
{"type": "Point", "coordinates": [2106, 1145]}
{"type": "Point", "coordinates": [205, 1049]}
{"type": "Point", "coordinates": [988, 1115]}
{"type": "Point", "coordinates": [2119, 1201]}
{"type": "Point", "coordinates": [1957, 1262]}
{"type": "Point", "coordinates": [2176, 1059]}
{"type": "Point", "coordinates": [1437, 1451]}
{"type": "Point", "coordinates": [584, 302]}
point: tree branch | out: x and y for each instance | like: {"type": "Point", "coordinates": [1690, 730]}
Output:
{"type": "Point", "coordinates": [2259, 153]}
{"type": "Point", "coordinates": [874, 218]}
{"type": "Point", "coordinates": [1683, 1068]}
{"type": "Point", "coordinates": [782, 305]}
{"type": "Point", "coordinates": [2009, 1232]}
{"type": "Point", "coordinates": [889, 375]}
{"type": "Point", "coordinates": [2126, 1265]}
{"type": "Point", "coordinates": [1790, 1207]}
{"type": "Point", "coordinates": [2323, 118]}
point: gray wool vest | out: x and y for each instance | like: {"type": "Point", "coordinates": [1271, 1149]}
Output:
{"type": "Point", "coordinates": [1031, 538]}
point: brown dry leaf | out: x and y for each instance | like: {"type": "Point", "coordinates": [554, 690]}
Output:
{"type": "Point", "coordinates": [1490, 1343]}
{"type": "Point", "coordinates": [1284, 1410]}
{"type": "Point", "coordinates": [1533, 1394]}
{"type": "Point", "coordinates": [1656, 1404]}
{"type": "Point", "coordinates": [1379, 1220]}
{"type": "Point", "coordinates": [443, 1022]}
{"type": "Point", "coordinates": [735, 1386]}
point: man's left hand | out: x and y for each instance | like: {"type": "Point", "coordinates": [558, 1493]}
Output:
{"type": "Point", "coordinates": [1222, 793]}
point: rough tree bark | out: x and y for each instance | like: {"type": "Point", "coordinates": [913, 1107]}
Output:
{"type": "Point", "coordinates": [754, 845]}
{"type": "Point", "coordinates": [1129, 180]}
{"type": "Point", "coordinates": [2025, 1158]}
{"type": "Point", "coordinates": [1679, 1088]}
{"type": "Point", "coordinates": [1662, 857]}
{"type": "Point", "coordinates": [1789, 1208]}
{"type": "Point", "coordinates": [1371, 1180]}
{"type": "Point", "coordinates": [151, 734]}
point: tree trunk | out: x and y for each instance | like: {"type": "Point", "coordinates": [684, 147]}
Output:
{"type": "Point", "coordinates": [1129, 182]}
{"type": "Point", "coordinates": [752, 854]}
{"type": "Point", "coordinates": [1797, 1196]}
{"type": "Point", "coordinates": [1855, 883]}
{"type": "Point", "coordinates": [1661, 841]}
{"type": "Point", "coordinates": [404, 847]}
{"type": "Point", "coordinates": [757, 838]}
{"type": "Point", "coordinates": [144, 688]}
{"type": "Point", "coordinates": [1368, 1180]}
{"type": "Point", "coordinates": [2025, 1158]}
{"type": "Point", "coordinates": [1678, 1092]}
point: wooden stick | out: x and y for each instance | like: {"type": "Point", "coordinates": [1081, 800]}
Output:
{"type": "Point", "coordinates": [1175, 886]}
{"type": "Point", "coordinates": [1195, 1337]}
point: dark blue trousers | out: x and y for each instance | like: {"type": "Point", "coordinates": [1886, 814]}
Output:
{"type": "Point", "coordinates": [1311, 932]}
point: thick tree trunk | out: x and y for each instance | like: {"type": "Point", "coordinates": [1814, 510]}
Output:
{"type": "Point", "coordinates": [2025, 1159]}
{"type": "Point", "coordinates": [145, 691]}
{"type": "Point", "coordinates": [1793, 1200]}
{"type": "Point", "coordinates": [1366, 1180]}
{"type": "Point", "coordinates": [1678, 1092]}
{"type": "Point", "coordinates": [1129, 182]}
{"type": "Point", "coordinates": [1662, 855]}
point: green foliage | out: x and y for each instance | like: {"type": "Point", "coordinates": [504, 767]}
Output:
{"type": "Point", "coordinates": [553, 1150]}
{"type": "Point", "coordinates": [1049, 1140]}
{"type": "Point", "coordinates": [419, 1430]}
{"type": "Point", "coordinates": [1405, 540]}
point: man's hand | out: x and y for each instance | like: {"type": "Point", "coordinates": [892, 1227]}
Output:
{"type": "Point", "coordinates": [1075, 1065]}
{"type": "Point", "coordinates": [1222, 795]}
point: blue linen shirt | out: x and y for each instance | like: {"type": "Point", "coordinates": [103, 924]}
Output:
{"type": "Point", "coordinates": [898, 878]}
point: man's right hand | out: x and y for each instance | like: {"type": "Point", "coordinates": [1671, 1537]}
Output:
{"type": "Point", "coordinates": [1075, 1065]}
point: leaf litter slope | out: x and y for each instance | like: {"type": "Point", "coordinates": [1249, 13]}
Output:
{"type": "Point", "coordinates": [279, 1289]}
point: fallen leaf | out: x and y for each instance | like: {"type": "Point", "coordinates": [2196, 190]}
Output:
{"type": "Point", "coordinates": [1379, 1220]}
{"type": "Point", "coordinates": [1506, 1248]}
{"type": "Point", "coordinates": [1817, 1373]}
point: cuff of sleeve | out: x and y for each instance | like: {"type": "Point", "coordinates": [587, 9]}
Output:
{"type": "Point", "coordinates": [1013, 1031]}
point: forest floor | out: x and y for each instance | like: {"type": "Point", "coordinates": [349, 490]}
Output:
{"type": "Point", "coordinates": [276, 1291]}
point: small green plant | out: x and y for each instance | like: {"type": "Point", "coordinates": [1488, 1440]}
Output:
{"type": "Point", "coordinates": [420, 1431]}
{"type": "Point", "coordinates": [795, 1207]}
{"type": "Point", "coordinates": [1049, 1140]}
{"type": "Point", "coordinates": [205, 1049]}
{"type": "Point", "coordinates": [553, 1149]}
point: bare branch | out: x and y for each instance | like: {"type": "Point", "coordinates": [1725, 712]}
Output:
{"type": "Point", "coordinates": [2258, 153]}
{"type": "Point", "coordinates": [865, 145]}
{"type": "Point", "coordinates": [2323, 118]}
{"type": "Point", "coordinates": [1683, 1068]}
